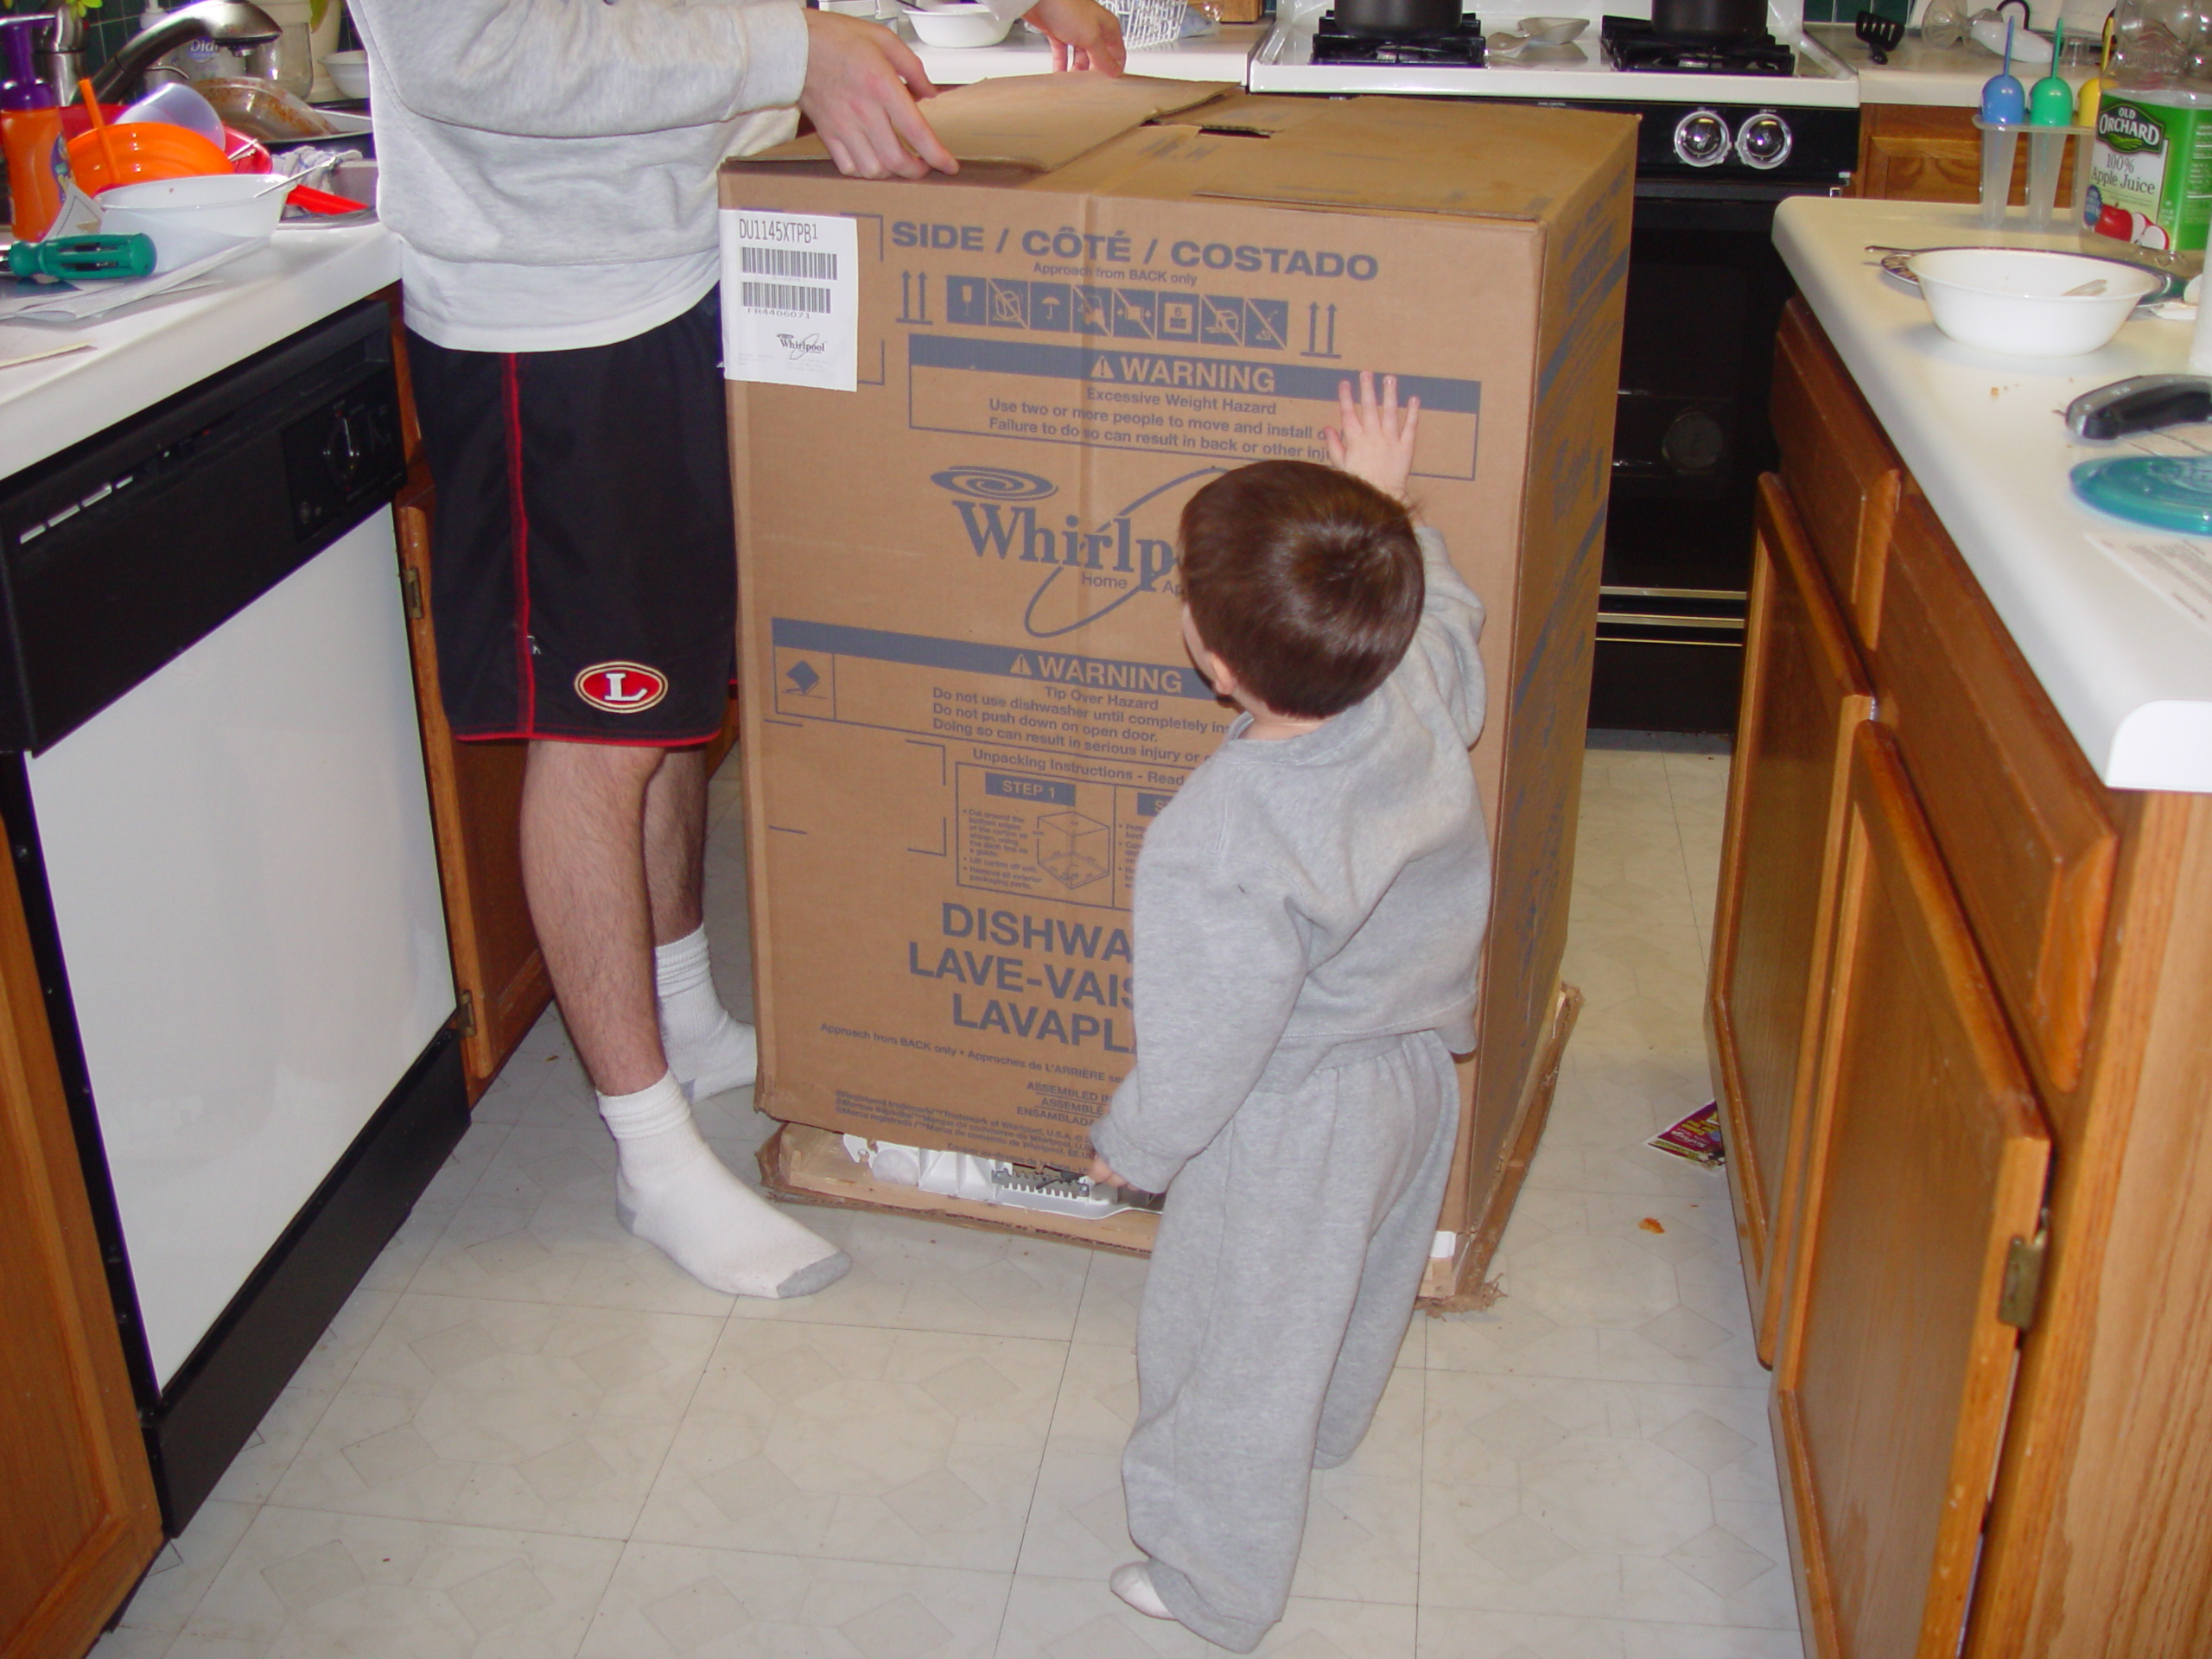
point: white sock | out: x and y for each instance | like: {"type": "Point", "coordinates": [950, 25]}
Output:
{"type": "Point", "coordinates": [671, 1191]}
{"type": "Point", "coordinates": [1132, 1582]}
{"type": "Point", "coordinates": [708, 1052]}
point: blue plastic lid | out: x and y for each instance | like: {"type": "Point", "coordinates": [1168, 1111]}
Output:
{"type": "Point", "coordinates": [2165, 492]}
{"type": "Point", "coordinates": [2004, 101]}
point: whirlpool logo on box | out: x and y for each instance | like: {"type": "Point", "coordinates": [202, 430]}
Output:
{"type": "Point", "coordinates": [1084, 571]}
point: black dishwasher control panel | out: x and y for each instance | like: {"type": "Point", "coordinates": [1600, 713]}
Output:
{"type": "Point", "coordinates": [121, 553]}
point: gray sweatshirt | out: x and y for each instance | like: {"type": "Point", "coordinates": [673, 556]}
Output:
{"type": "Point", "coordinates": [648, 96]}
{"type": "Point", "coordinates": [1308, 891]}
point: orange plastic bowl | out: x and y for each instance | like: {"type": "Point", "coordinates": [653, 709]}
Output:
{"type": "Point", "coordinates": [142, 150]}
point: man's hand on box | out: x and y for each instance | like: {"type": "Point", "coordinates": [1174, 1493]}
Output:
{"type": "Point", "coordinates": [862, 81]}
{"type": "Point", "coordinates": [1374, 441]}
{"type": "Point", "coordinates": [1084, 34]}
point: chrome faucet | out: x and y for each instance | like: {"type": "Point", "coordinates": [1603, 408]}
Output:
{"type": "Point", "coordinates": [226, 22]}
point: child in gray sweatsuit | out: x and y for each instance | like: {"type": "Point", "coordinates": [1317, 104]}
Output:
{"type": "Point", "coordinates": [1308, 913]}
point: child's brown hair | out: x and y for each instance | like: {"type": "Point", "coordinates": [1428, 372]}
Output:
{"type": "Point", "coordinates": [1305, 580]}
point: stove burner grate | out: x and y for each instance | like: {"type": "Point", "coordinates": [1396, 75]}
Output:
{"type": "Point", "coordinates": [1631, 43]}
{"type": "Point", "coordinates": [1462, 46]}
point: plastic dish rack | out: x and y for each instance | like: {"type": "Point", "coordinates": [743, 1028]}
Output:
{"type": "Point", "coordinates": [1149, 22]}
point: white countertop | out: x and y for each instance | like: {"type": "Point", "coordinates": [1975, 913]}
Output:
{"type": "Point", "coordinates": [1219, 56]}
{"type": "Point", "coordinates": [2130, 673]}
{"type": "Point", "coordinates": [150, 352]}
{"type": "Point", "coordinates": [1920, 73]}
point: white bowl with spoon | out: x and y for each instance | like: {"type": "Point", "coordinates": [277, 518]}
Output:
{"type": "Point", "coordinates": [2029, 302]}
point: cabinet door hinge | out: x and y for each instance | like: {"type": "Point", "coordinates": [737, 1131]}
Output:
{"type": "Point", "coordinates": [2015, 1299]}
{"type": "Point", "coordinates": [410, 589]}
{"type": "Point", "coordinates": [466, 1019]}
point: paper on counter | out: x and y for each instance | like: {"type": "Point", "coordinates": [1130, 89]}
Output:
{"type": "Point", "coordinates": [2178, 569]}
{"type": "Point", "coordinates": [22, 301]}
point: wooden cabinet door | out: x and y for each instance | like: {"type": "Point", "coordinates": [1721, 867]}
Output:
{"type": "Point", "coordinates": [77, 1518]}
{"type": "Point", "coordinates": [476, 807]}
{"type": "Point", "coordinates": [1915, 152]}
{"type": "Point", "coordinates": [1804, 693]}
{"type": "Point", "coordinates": [1926, 1163]}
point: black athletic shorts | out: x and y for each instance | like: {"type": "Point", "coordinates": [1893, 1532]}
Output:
{"type": "Point", "coordinates": [583, 550]}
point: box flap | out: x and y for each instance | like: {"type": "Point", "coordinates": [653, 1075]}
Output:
{"type": "Point", "coordinates": [1258, 113]}
{"type": "Point", "coordinates": [1408, 155]}
{"type": "Point", "coordinates": [1035, 123]}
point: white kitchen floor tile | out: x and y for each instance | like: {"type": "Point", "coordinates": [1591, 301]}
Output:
{"type": "Point", "coordinates": [346, 1338]}
{"type": "Point", "coordinates": [1630, 871]}
{"type": "Point", "coordinates": [1550, 1497]}
{"type": "Point", "coordinates": [178, 1580]}
{"type": "Point", "coordinates": [1619, 784]}
{"type": "Point", "coordinates": [729, 1118]}
{"type": "Point", "coordinates": [1077, 1526]}
{"type": "Point", "coordinates": [1363, 1518]}
{"type": "Point", "coordinates": [1698, 787]}
{"type": "Point", "coordinates": [674, 1601]}
{"type": "Point", "coordinates": [1080, 1618]}
{"type": "Point", "coordinates": [1619, 965]}
{"type": "Point", "coordinates": [305, 1583]}
{"type": "Point", "coordinates": [1112, 1293]}
{"type": "Point", "coordinates": [276, 1441]}
{"type": "Point", "coordinates": [504, 1414]}
{"type": "Point", "coordinates": [124, 1642]}
{"type": "Point", "coordinates": [541, 1227]}
{"type": "Point", "coordinates": [394, 1269]}
{"type": "Point", "coordinates": [915, 1447]}
{"type": "Point", "coordinates": [916, 1275]}
{"type": "Point", "coordinates": [924, 1459]}
{"type": "Point", "coordinates": [1457, 1633]}
{"type": "Point", "coordinates": [542, 1083]}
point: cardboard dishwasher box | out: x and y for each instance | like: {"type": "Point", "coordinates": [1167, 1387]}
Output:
{"type": "Point", "coordinates": [965, 417]}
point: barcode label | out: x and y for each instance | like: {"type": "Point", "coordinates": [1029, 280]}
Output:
{"type": "Point", "coordinates": [791, 298]}
{"type": "Point", "coordinates": [787, 262]}
{"type": "Point", "coordinates": [783, 296]}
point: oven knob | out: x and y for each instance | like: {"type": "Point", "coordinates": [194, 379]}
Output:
{"type": "Point", "coordinates": [1763, 141]}
{"type": "Point", "coordinates": [1701, 138]}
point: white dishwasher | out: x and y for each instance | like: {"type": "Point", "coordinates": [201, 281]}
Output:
{"type": "Point", "coordinates": [216, 801]}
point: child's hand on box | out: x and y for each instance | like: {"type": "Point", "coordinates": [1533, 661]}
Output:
{"type": "Point", "coordinates": [1102, 1172]}
{"type": "Point", "coordinates": [1376, 442]}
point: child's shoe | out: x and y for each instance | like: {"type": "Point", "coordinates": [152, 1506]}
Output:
{"type": "Point", "coordinates": [1132, 1582]}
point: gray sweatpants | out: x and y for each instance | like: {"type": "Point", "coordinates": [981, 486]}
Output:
{"type": "Point", "coordinates": [1281, 1283]}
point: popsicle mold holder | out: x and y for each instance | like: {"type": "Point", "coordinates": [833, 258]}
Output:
{"type": "Point", "coordinates": [2000, 142]}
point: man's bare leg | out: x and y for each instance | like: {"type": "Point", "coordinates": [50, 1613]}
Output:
{"type": "Point", "coordinates": [585, 868]}
{"type": "Point", "coordinates": [676, 844]}
{"type": "Point", "coordinates": [710, 1051]}
{"type": "Point", "coordinates": [583, 807]}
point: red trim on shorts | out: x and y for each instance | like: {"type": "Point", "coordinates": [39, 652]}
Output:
{"type": "Point", "coordinates": [596, 742]}
{"type": "Point", "coordinates": [518, 516]}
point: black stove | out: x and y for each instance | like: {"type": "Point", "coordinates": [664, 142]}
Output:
{"type": "Point", "coordinates": [1632, 43]}
{"type": "Point", "coordinates": [1462, 46]}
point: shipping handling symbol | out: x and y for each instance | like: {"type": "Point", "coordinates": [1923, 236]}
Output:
{"type": "Point", "coordinates": [801, 676]}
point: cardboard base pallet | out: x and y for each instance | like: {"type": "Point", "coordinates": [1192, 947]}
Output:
{"type": "Point", "coordinates": [810, 1165]}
